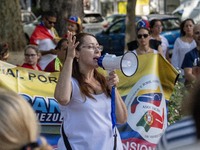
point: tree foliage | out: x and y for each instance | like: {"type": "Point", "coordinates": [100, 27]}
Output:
{"type": "Point", "coordinates": [11, 30]}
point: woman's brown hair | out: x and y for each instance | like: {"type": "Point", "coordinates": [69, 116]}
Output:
{"type": "Point", "coordinates": [85, 87]}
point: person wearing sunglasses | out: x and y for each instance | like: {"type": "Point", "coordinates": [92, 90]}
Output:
{"type": "Point", "coordinates": [143, 38]}
{"type": "Point", "coordinates": [46, 38]}
{"type": "Point", "coordinates": [153, 43]}
{"type": "Point", "coordinates": [84, 97]}
{"type": "Point", "coordinates": [57, 64]}
{"type": "Point", "coordinates": [32, 55]}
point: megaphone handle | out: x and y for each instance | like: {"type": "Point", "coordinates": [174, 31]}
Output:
{"type": "Point", "coordinates": [113, 116]}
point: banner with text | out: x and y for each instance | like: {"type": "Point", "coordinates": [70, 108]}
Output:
{"type": "Point", "coordinates": [144, 94]}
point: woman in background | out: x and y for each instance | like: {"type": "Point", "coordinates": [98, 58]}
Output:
{"type": "Point", "coordinates": [183, 44]}
{"type": "Point", "coordinates": [153, 43]}
{"type": "Point", "coordinates": [143, 38]}
{"type": "Point", "coordinates": [32, 55]}
{"type": "Point", "coordinates": [156, 28]}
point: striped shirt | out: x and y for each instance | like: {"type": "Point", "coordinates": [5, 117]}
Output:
{"type": "Point", "coordinates": [178, 135]}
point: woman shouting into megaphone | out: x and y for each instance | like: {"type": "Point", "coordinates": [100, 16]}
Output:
{"type": "Point", "coordinates": [84, 97]}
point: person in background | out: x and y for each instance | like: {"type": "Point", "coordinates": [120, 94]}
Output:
{"type": "Point", "coordinates": [31, 54]}
{"type": "Point", "coordinates": [156, 28]}
{"type": "Point", "coordinates": [46, 37]}
{"type": "Point", "coordinates": [84, 95]}
{"type": "Point", "coordinates": [4, 51]}
{"type": "Point", "coordinates": [154, 44]}
{"type": "Point", "coordinates": [185, 133]}
{"type": "Point", "coordinates": [191, 61]}
{"type": "Point", "coordinates": [56, 64]}
{"type": "Point", "coordinates": [19, 129]}
{"type": "Point", "coordinates": [74, 25]}
{"type": "Point", "coordinates": [183, 44]}
{"type": "Point", "coordinates": [143, 37]}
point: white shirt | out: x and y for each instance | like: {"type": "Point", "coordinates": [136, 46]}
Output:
{"type": "Point", "coordinates": [46, 45]}
{"type": "Point", "coordinates": [164, 44]}
{"type": "Point", "coordinates": [87, 123]}
{"type": "Point", "coordinates": [179, 51]}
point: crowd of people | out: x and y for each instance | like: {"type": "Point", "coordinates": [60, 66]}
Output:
{"type": "Point", "coordinates": [82, 89]}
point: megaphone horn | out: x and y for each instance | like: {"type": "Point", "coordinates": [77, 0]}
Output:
{"type": "Point", "coordinates": [127, 63]}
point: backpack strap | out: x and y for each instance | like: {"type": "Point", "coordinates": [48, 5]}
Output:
{"type": "Point", "coordinates": [65, 138]}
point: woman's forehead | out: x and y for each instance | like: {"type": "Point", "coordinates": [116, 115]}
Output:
{"type": "Point", "coordinates": [143, 31]}
{"type": "Point", "coordinates": [89, 39]}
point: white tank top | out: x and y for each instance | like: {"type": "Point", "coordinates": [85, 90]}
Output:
{"type": "Point", "coordinates": [88, 124]}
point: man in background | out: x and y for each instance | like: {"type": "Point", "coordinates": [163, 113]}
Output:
{"type": "Point", "coordinates": [46, 37]}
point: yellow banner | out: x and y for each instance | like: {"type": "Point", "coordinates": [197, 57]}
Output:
{"type": "Point", "coordinates": [144, 95]}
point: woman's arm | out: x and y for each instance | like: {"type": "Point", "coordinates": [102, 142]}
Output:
{"type": "Point", "coordinates": [121, 110]}
{"type": "Point", "coordinates": [64, 88]}
{"type": "Point", "coordinates": [175, 55]}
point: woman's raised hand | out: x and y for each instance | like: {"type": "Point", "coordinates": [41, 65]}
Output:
{"type": "Point", "coordinates": [72, 44]}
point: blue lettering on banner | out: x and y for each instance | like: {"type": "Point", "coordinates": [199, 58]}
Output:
{"type": "Point", "coordinates": [47, 110]}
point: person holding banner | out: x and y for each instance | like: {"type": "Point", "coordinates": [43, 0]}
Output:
{"type": "Point", "coordinates": [31, 54]}
{"type": "Point", "coordinates": [19, 128]}
{"type": "Point", "coordinates": [46, 37]}
{"type": "Point", "coordinates": [84, 97]}
{"type": "Point", "coordinates": [153, 43]}
{"type": "Point", "coordinates": [143, 37]}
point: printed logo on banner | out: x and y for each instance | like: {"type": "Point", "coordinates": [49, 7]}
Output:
{"type": "Point", "coordinates": [46, 109]}
{"type": "Point", "coordinates": [146, 110]}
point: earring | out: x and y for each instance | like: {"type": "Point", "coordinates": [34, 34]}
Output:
{"type": "Point", "coordinates": [76, 59]}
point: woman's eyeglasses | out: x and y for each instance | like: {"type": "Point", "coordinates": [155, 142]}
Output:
{"type": "Point", "coordinates": [93, 48]}
{"type": "Point", "coordinates": [30, 55]}
{"type": "Point", "coordinates": [139, 36]}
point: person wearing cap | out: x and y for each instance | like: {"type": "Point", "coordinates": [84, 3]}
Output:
{"type": "Point", "coordinates": [143, 38]}
{"type": "Point", "coordinates": [46, 38]}
{"type": "Point", "coordinates": [74, 25]}
{"type": "Point", "coordinates": [154, 44]}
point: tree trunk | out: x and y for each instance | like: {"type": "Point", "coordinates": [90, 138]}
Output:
{"type": "Point", "coordinates": [11, 30]}
{"type": "Point", "coordinates": [130, 22]}
{"type": "Point", "coordinates": [64, 9]}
